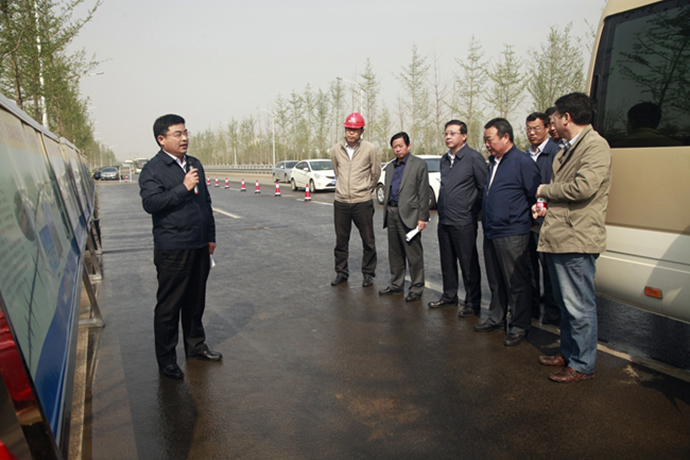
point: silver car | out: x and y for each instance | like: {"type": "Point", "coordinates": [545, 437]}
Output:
{"type": "Point", "coordinates": [281, 170]}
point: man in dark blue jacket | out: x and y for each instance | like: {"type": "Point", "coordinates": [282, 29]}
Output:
{"type": "Point", "coordinates": [173, 190]}
{"type": "Point", "coordinates": [542, 150]}
{"type": "Point", "coordinates": [510, 190]}
{"type": "Point", "coordinates": [463, 175]}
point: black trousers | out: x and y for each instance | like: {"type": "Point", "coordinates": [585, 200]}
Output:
{"type": "Point", "coordinates": [362, 214]}
{"type": "Point", "coordinates": [458, 243]}
{"type": "Point", "coordinates": [400, 251]}
{"type": "Point", "coordinates": [182, 275]}
{"type": "Point", "coordinates": [551, 311]}
{"type": "Point", "coordinates": [509, 272]}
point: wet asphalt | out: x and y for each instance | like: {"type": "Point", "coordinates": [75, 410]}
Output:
{"type": "Point", "coordinates": [312, 371]}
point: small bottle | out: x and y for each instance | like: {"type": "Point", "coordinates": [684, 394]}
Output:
{"type": "Point", "coordinates": [541, 203]}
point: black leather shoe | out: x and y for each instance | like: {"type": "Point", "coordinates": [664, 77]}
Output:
{"type": "Point", "coordinates": [390, 291]}
{"type": "Point", "coordinates": [465, 312]}
{"type": "Point", "coordinates": [442, 304]}
{"type": "Point", "coordinates": [368, 281]}
{"type": "Point", "coordinates": [338, 280]}
{"type": "Point", "coordinates": [207, 355]}
{"type": "Point", "coordinates": [172, 371]}
{"type": "Point", "coordinates": [413, 297]}
{"type": "Point", "coordinates": [513, 339]}
{"type": "Point", "coordinates": [486, 327]}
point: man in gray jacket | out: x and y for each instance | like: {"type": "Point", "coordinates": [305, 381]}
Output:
{"type": "Point", "coordinates": [574, 233]}
{"type": "Point", "coordinates": [405, 208]}
{"type": "Point", "coordinates": [357, 168]}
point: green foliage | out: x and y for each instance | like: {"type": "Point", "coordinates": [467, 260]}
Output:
{"type": "Point", "coordinates": [37, 71]}
{"type": "Point", "coordinates": [556, 69]}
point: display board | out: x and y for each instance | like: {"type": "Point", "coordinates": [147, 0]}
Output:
{"type": "Point", "coordinates": [46, 204]}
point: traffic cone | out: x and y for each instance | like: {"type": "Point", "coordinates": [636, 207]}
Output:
{"type": "Point", "coordinates": [277, 189]}
{"type": "Point", "coordinates": [242, 187]}
{"type": "Point", "coordinates": [227, 183]}
{"type": "Point", "coordinates": [256, 189]}
{"type": "Point", "coordinates": [208, 181]}
{"type": "Point", "coordinates": [307, 194]}
{"type": "Point", "coordinates": [217, 183]}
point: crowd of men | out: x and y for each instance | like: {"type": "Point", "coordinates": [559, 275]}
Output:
{"type": "Point", "coordinates": [567, 168]}
{"type": "Point", "coordinates": [542, 210]}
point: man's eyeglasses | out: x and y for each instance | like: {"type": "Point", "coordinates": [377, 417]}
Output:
{"type": "Point", "coordinates": [179, 134]}
{"type": "Point", "coordinates": [536, 129]}
{"type": "Point", "coordinates": [450, 133]}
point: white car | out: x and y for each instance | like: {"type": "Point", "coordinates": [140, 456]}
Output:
{"type": "Point", "coordinates": [317, 173]}
{"type": "Point", "coordinates": [433, 162]}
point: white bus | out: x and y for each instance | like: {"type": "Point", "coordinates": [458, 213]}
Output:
{"type": "Point", "coordinates": [639, 81]}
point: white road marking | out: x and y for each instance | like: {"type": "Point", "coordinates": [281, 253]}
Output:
{"type": "Point", "coordinates": [234, 216]}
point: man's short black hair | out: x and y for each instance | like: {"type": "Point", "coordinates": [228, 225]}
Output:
{"type": "Point", "coordinates": [534, 116]}
{"type": "Point", "coordinates": [578, 105]}
{"type": "Point", "coordinates": [404, 136]}
{"type": "Point", "coordinates": [503, 127]}
{"type": "Point", "coordinates": [461, 124]}
{"type": "Point", "coordinates": [550, 111]}
{"type": "Point", "coordinates": [162, 124]}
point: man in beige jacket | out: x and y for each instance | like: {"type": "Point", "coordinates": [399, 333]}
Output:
{"type": "Point", "coordinates": [357, 168]}
{"type": "Point", "coordinates": [574, 233]}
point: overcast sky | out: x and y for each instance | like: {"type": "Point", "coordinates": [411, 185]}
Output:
{"type": "Point", "coordinates": [214, 60]}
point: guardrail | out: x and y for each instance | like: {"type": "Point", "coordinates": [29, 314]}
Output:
{"type": "Point", "coordinates": [246, 169]}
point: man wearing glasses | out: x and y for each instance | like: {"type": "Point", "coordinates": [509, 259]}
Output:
{"type": "Point", "coordinates": [463, 175]}
{"type": "Point", "coordinates": [173, 190]}
{"type": "Point", "coordinates": [542, 150]}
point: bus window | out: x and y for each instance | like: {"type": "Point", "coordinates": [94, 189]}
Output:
{"type": "Point", "coordinates": [641, 87]}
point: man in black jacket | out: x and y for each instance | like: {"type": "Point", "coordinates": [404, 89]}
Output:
{"type": "Point", "coordinates": [173, 190]}
{"type": "Point", "coordinates": [463, 175]}
{"type": "Point", "coordinates": [542, 150]}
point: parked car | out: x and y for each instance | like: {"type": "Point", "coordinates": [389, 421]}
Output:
{"type": "Point", "coordinates": [281, 170]}
{"type": "Point", "coordinates": [433, 162]}
{"type": "Point", "coordinates": [110, 173]}
{"type": "Point", "coordinates": [317, 173]}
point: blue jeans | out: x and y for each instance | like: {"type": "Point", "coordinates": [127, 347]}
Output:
{"type": "Point", "coordinates": [572, 280]}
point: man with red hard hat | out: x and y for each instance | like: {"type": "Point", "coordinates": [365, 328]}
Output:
{"type": "Point", "coordinates": [357, 168]}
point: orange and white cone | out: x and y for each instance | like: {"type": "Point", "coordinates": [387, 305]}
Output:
{"type": "Point", "coordinates": [307, 194]}
{"type": "Point", "coordinates": [227, 183]}
{"type": "Point", "coordinates": [217, 183]}
{"type": "Point", "coordinates": [277, 189]}
{"type": "Point", "coordinates": [242, 187]}
{"type": "Point", "coordinates": [257, 190]}
{"type": "Point", "coordinates": [208, 181]}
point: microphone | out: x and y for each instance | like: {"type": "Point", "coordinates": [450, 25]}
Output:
{"type": "Point", "coordinates": [189, 166]}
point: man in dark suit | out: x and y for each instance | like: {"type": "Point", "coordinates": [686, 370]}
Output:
{"type": "Point", "coordinates": [173, 190]}
{"type": "Point", "coordinates": [406, 208]}
{"type": "Point", "coordinates": [463, 175]}
{"type": "Point", "coordinates": [542, 150]}
{"type": "Point", "coordinates": [506, 221]}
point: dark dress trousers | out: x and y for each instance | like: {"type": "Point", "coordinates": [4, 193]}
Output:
{"type": "Point", "coordinates": [551, 311]}
{"type": "Point", "coordinates": [459, 202]}
{"type": "Point", "coordinates": [506, 222]}
{"type": "Point", "coordinates": [402, 216]}
{"type": "Point", "coordinates": [183, 225]}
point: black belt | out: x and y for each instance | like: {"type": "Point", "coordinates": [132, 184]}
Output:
{"type": "Point", "coordinates": [394, 205]}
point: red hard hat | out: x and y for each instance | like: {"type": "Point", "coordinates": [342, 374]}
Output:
{"type": "Point", "coordinates": [354, 120]}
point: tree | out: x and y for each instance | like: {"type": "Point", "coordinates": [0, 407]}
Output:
{"type": "Point", "coordinates": [555, 70]}
{"type": "Point", "coordinates": [507, 91]}
{"type": "Point", "coordinates": [414, 80]}
{"type": "Point", "coordinates": [37, 71]}
{"type": "Point", "coordinates": [441, 113]}
{"type": "Point", "coordinates": [469, 92]}
{"type": "Point", "coordinates": [337, 98]}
